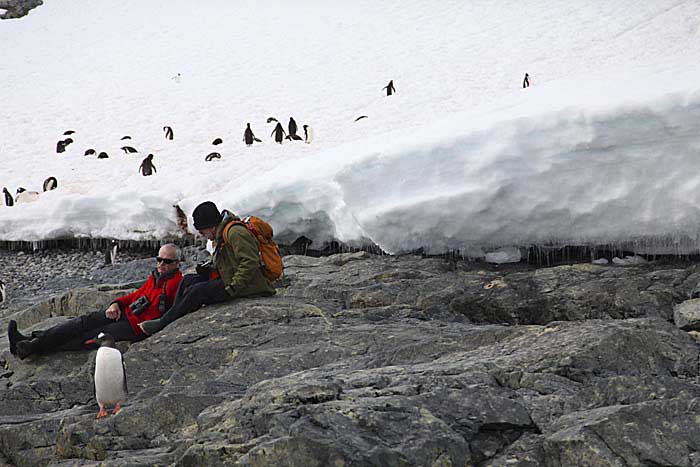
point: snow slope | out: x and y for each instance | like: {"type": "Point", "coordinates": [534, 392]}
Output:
{"type": "Point", "coordinates": [601, 149]}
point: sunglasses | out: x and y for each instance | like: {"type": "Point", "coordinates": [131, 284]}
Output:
{"type": "Point", "coordinates": [165, 260]}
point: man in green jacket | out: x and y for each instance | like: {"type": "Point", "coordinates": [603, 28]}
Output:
{"type": "Point", "coordinates": [236, 262]}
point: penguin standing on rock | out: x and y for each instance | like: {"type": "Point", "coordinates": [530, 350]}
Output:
{"type": "Point", "coordinates": [249, 137]}
{"type": "Point", "coordinates": [8, 198]}
{"type": "Point", "coordinates": [147, 168]}
{"type": "Point", "coordinates": [168, 132]}
{"type": "Point", "coordinates": [308, 134]}
{"type": "Point", "coordinates": [390, 89]}
{"type": "Point", "coordinates": [278, 132]}
{"type": "Point", "coordinates": [110, 375]}
{"type": "Point", "coordinates": [50, 184]}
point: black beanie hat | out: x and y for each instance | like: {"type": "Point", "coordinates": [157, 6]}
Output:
{"type": "Point", "coordinates": [206, 215]}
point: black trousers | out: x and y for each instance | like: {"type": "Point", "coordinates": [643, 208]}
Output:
{"type": "Point", "coordinates": [194, 291]}
{"type": "Point", "coordinates": [72, 334]}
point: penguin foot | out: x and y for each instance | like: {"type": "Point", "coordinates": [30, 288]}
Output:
{"type": "Point", "coordinates": [14, 336]}
{"type": "Point", "coordinates": [117, 408]}
{"type": "Point", "coordinates": [102, 413]}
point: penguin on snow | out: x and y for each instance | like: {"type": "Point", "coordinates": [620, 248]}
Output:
{"type": "Point", "coordinates": [293, 130]}
{"type": "Point", "coordinates": [147, 168]}
{"type": "Point", "coordinates": [110, 375]}
{"type": "Point", "coordinates": [390, 89]}
{"type": "Point", "coordinates": [308, 134]}
{"type": "Point", "coordinates": [248, 135]}
{"type": "Point", "coordinates": [278, 133]}
{"type": "Point", "coordinates": [24, 196]}
{"type": "Point", "coordinates": [8, 198]}
{"type": "Point", "coordinates": [168, 132]}
{"type": "Point", "coordinates": [50, 184]}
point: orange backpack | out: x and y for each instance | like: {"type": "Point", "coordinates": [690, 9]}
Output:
{"type": "Point", "coordinates": [270, 258]}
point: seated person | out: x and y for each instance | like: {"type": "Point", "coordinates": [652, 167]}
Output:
{"type": "Point", "coordinates": [236, 265]}
{"type": "Point", "coordinates": [121, 319]}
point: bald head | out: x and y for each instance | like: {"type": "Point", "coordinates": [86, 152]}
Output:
{"type": "Point", "coordinates": [170, 251]}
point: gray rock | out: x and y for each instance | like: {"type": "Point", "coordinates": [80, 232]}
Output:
{"type": "Point", "coordinates": [686, 315]}
{"type": "Point", "coordinates": [363, 360]}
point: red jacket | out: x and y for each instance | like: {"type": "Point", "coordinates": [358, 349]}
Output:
{"type": "Point", "coordinates": [153, 291]}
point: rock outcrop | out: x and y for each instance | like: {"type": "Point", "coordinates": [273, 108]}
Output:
{"type": "Point", "coordinates": [17, 8]}
{"type": "Point", "coordinates": [379, 361]}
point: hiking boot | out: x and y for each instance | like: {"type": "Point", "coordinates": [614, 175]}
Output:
{"type": "Point", "coordinates": [14, 336]}
{"type": "Point", "coordinates": [27, 347]}
{"type": "Point", "coordinates": [153, 326]}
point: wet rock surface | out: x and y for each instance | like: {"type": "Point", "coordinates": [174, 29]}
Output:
{"type": "Point", "coordinates": [363, 360]}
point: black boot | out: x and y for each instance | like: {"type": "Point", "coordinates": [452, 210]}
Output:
{"type": "Point", "coordinates": [14, 336]}
{"type": "Point", "coordinates": [28, 347]}
{"type": "Point", "coordinates": [155, 325]}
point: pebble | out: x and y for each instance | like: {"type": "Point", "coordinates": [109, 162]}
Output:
{"type": "Point", "coordinates": [34, 276]}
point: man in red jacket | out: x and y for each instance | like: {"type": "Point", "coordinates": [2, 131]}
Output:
{"type": "Point", "coordinates": [121, 319]}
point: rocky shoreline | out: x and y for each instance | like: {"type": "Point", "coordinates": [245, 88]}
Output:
{"type": "Point", "coordinates": [363, 360]}
{"type": "Point", "coordinates": [30, 277]}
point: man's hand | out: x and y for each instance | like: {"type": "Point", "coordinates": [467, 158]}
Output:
{"type": "Point", "coordinates": [113, 312]}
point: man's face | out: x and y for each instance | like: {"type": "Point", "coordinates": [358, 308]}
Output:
{"type": "Point", "coordinates": [209, 233]}
{"type": "Point", "coordinates": [167, 260]}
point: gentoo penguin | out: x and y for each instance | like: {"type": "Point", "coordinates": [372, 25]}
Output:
{"type": "Point", "coordinates": [361, 117]}
{"type": "Point", "coordinates": [68, 132]}
{"type": "Point", "coordinates": [212, 156]}
{"type": "Point", "coordinates": [168, 132]}
{"type": "Point", "coordinates": [8, 198]}
{"type": "Point", "coordinates": [110, 376]}
{"type": "Point", "coordinates": [248, 135]}
{"type": "Point", "coordinates": [217, 141]}
{"type": "Point", "coordinates": [271, 119]}
{"type": "Point", "coordinates": [308, 134]}
{"type": "Point", "coordinates": [526, 81]}
{"type": "Point", "coordinates": [147, 168]}
{"type": "Point", "coordinates": [390, 88]}
{"type": "Point", "coordinates": [125, 137]}
{"type": "Point", "coordinates": [128, 150]}
{"type": "Point", "coordinates": [181, 219]}
{"type": "Point", "coordinates": [61, 147]}
{"type": "Point", "coordinates": [103, 155]}
{"type": "Point", "coordinates": [278, 132]}
{"type": "Point", "coordinates": [90, 152]}
{"type": "Point", "coordinates": [24, 196]}
{"type": "Point", "coordinates": [50, 184]}
{"type": "Point", "coordinates": [111, 252]}
{"type": "Point", "coordinates": [292, 127]}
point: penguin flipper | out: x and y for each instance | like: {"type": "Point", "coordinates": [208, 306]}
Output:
{"type": "Point", "coordinates": [126, 389]}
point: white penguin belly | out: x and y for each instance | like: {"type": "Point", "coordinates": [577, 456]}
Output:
{"type": "Point", "coordinates": [109, 376]}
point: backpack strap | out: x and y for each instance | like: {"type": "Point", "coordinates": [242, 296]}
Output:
{"type": "Point", "coordinates": [224, 233]}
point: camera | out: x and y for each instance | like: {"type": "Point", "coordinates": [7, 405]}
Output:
{"type": "Point", "coordinates": [140, 305]}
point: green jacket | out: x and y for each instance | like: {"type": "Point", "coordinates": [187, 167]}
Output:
{"type": "Point", "coordinates": [238, 260]}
